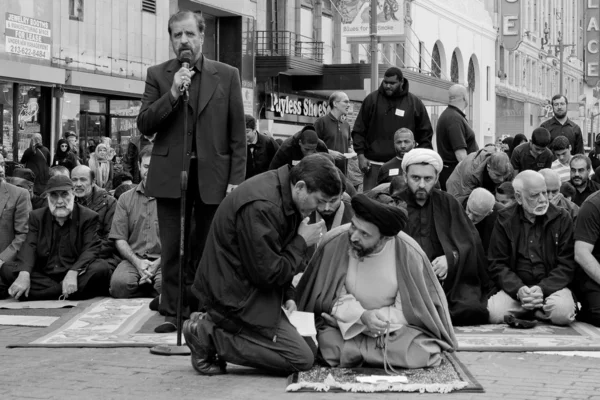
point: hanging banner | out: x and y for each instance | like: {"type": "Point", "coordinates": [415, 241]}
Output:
{"type": "Point", "coordinates": [510, 23]}
{"type": "Point", "coordinates": [356, 17]}
{"type": "Point", "coordinates": [591, 41]}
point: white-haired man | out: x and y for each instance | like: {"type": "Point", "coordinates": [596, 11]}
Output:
{"type": "Point", "coordinates": [531, 257]}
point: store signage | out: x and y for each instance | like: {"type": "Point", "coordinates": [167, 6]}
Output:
{"type": "Point", "coordinates": [283, 105]}
{"type": "Point", "coordinates": [356, 17]}
{"type": "Point", "coordinates": [592, 42]}
{"type": "Point", "coordinates": [27, 36]}
{"type": "Point", "coordinates": [510, 22]}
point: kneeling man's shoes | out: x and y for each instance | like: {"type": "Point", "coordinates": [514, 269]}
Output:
{"type": "Point", "coordinates": [517, 323]}
{"type": "Point", "coordinates": [204, 357]}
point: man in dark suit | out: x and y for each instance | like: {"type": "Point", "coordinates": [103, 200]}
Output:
{"type": "Point", "coordinates": [14, 213]}
{"type": "Point", "coordinates": [216, 150]}
{"type": "Point", "coordinates": [60, 255]}
{"type": "Point", "coordinates": [261, 149]}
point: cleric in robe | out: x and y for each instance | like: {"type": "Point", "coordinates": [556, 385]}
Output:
{"type": "Point", "coordinates": [439, 224]}
{"type": "Point", "coordinates": [374, 292]}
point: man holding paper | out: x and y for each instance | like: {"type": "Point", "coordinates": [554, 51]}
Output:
{"type": "Point", "coordinates": [375, 294]}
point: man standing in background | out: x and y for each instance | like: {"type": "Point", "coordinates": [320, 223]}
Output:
{"type": "Point", "coordinates": [334, 130]}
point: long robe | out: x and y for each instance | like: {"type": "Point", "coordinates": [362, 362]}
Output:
{"type": "Point", "coordinates": [423, 301]}
{"type": "Point", "coordinates": [467, 285]}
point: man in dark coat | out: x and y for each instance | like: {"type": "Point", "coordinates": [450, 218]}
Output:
{"type": "Point", "coordinates": [381, 114]}
{"type": "Point", "coordinates": [216, 154]}
{"type": "Point", "coordinates": [60, 255]}
{"type": "Point", "coordinates": [531, 256]}
{"type": "Point", "coordinates": [296, 147]}
{"type": "Point", "coordinates": [261, 149]}
{"type": "Point", "coordinates": [256, 245]}
{"type": "Point", "coordinates": [37, 159]}
{"type": "Point", "coordinates": [437, 221]}
{"type": "Point", "coordinates": [130, 159]}
{"type": "Point", "coordinates": [561, 125]}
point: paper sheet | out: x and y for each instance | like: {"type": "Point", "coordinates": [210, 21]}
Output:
{"type": "Point", "coordinates": [382, 378]}
{"type": "Point", "coordinates": [304, 322]}
{"type": "Point", "coordinates": [13, 304]}
{"type": "Point", "coordinates": [27, 320]}
{"type": "Point", "coordinates": [350, 155]}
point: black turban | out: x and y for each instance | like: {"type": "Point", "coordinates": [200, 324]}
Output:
{"type": "Point", "coordinates": [389, 219]}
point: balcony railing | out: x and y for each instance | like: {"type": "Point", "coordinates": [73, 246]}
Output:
{"type": "Point", "coordinates": [286, 43]}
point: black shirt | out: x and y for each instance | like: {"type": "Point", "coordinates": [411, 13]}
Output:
{"type": "Point", "coordinates": [570, 130]}
{"type": "Point", "coordinates": [590, 188]}
{"type": "Point", "coordinates": [587, 225]}
{"type": "Point", "coordinates": [453, 132]}
{"type": "Point", "coordinates": [421, 227]}
{"type": "Point", "coordinates": [389, 170]}
{"type": "Point", "coordinates": [60, 242]}
{"type": "Point", "coordinates": [522, 159]}
{"type": "Point", "coordinates": [529, 261]}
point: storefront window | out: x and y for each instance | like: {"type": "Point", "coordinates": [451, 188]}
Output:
{"type": "Point", "coordinates": [6, 119]}
{"type": "Point", "coordinates": [123, 116]}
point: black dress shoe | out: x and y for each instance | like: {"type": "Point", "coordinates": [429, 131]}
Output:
{"type": "Point", "coordinates": [519, 323]}
{"type": "Point", "coordinates": [204, 358]}
{"type": "Point", "coordinates": [154, 303]}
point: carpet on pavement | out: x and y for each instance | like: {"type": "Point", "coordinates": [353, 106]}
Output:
{"type": "Point", "coordinates": [579, 336]}
{"type": "Point", "coordinates": [27, 320]}
{"type": "Point", "coordinates": [102, 322]}
{"type": "Point", "coordinates": [451, 375]}
{"type": "Point", "coordinates": [12, 304]}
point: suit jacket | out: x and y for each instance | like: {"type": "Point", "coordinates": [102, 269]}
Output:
{"type": "Point", "coordinates": [85, 242]}
{"type": "Point", "coordinates": [220, 130]}
{"type": "Point", "coordinates": [15, 207]}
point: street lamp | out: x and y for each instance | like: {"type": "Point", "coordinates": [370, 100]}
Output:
{"type": "Point", "coordinates": [560, 48]}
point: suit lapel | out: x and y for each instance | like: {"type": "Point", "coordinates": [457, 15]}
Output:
{"type": "Point", "coordinates": [3, 196]}
{"type": "Point", "coordinates": [208, 84]}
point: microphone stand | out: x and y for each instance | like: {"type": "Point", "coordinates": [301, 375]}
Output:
{"type": "Point", "coordinates": [179, 349]}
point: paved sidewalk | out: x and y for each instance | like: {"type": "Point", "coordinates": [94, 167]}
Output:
{"type": "Point", "coordinates": [133, 373]}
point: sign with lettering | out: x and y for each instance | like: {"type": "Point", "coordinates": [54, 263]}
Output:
{"type": "Point", "coordinates": [27, 36]}
{"type": "Point", "coordinates": [591, 41]}
{"type": "Point", "coordinates": [284, 105]}
{"type": "Point", "coordinates": [510, 23]}
{"type": "Point", "coordinates": [356, 17]}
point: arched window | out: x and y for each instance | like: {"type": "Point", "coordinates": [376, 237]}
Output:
{"type": "Point", "coordinates": [454, 68]}
{"type": "Point", "coordinates": [436, 62]}
{"type": "Point", "coordinates": [471, 89]}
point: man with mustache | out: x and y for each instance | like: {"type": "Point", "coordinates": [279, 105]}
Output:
{"type": "Point", "coordinates": [555, 197]}
{"type": "Point", "coordinates": [531, 257]}
{"type": "Point", "coordinates": [368, 283]}
{"type": "Point", "coordinates": [561, 125]}
{"type": "Point", "coordinates": [404, 141]}
{"type": "Point", "coordinates": [215, 158]}
{"type": "Point", "coordinates": [439, 224]}
{"type": "Point", "coordinates": [581, 166]}
{"type": "Point", "coordinates": [59, 256]}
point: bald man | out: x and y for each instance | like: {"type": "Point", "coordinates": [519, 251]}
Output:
{"type": "Point", "coordinates": [454, 136]}
{"type": "Point", "coordinates": [96, 199]}
{"type": "Point", "coordinates": [334, 130]}
{"type": "Point", "coordinates": [531, 257]}
{"type": "Point", "coordinates": [482, 211]}
{"type": "Point", "coordinates": [553, 183]}
{"type": "Point", "coordinates": [404, 141]}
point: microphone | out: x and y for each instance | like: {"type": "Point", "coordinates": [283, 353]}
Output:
{"type": "Point", "coordinates": [185, 63]}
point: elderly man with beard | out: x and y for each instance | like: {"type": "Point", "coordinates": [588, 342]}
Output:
{"type": "Point", "coordinates": [439, 224]}
{"type": "Point", "coordinates": [404, 141]}
{"type": "Point", "coordinates": [532, 258]}
{"type": "Point", "coordinates": [370, 284]}
{"type": "Point", "coordinates": [553, 183]}
{"type": "Point", "coordinates": [59, 256]}
{"type": "Point", "coordinates": [561, 125]}
{"type": "Point", "coordinates": [581, 166]}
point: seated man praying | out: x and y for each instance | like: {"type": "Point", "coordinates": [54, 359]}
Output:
{"type": "Point", "coordinates": [370, 284]}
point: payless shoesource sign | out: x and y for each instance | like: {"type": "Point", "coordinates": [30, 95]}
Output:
{"type": "Point", "coordinates": [292, 108]}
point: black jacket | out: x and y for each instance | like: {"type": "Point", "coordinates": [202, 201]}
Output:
{"type": "Point", "coordinates": [290, 152]}
{"type": "Point", "coordinates": [104, 205]}
{"type": "Point", "coordinates": [251, 255]}
{"type": "Point", "coordinates": [557, 247]}
{"type": "Point", "coordinates": [37, 159]}
{"type": "Point", "coordinates": [378, 120]}
{"type": "Point", "coordinates": [264, 150]}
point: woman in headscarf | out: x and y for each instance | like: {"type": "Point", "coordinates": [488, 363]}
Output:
{"type": "Point", "coordinates": [111, 152]}
{"type": "Point", "coordinates": [64, 156]}
{"type": "Point", "coordinates": [102, 167]}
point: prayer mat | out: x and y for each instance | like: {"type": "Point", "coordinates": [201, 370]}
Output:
{"type": "Point", "coordinates": [450, 376]}
{"type": "Point", "coordinates": [12, 304]}
{"type": "Point", "coordinates": [102, 322]}
{"type": "Point", "coordinates": [579, 336]}
{"type": "Point", "coordinates": [27, 320]}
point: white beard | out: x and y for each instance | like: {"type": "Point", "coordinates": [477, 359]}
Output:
{"type": "Point", "coordinates": [62, 212]}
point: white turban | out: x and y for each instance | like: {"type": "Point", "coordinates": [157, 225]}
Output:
{"type": "Point", "coordinates": [422, 156]}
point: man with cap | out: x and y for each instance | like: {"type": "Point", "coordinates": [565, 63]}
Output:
{"type": "Point", "coordinates": [260, 149]}
{"type": "Point", "coordinates": [25, 179]}
{"type": "Point", "coordinates": [555, 197]}
{"type": "Point", "coordinates": [381, 114]}
{"type": "Point", "coordinates": [439, 224]}
{"type": "Point", "coordinates": [486, 168]}
{"type": "Point", "coordinates": [482, 210]}
{"type": "Point", "coordinates": [533, 155]}
{"type": "Point", "coordinates": [370, 284]}
{"type": "Point", "coordinates": [60, 255]}
{"type": "Point", "coordinates": [15, 207]}
{"type": "Point", "coordinates": [296, 147]}
{"type": "Point", "coordinates": [531, 257]}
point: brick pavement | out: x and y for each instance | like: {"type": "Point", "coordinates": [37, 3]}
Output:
{"type": "Point", "coordinates": [133, 373]}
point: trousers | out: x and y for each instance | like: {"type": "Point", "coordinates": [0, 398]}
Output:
{"type": "Point", "coordinates": [124, 283]}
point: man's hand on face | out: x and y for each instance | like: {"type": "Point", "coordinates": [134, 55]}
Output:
{"type": "Point", "coordinates": [375, 321]}
{"type": "Point", "coordinates": [531, 297]}
{"type": "Point", "coordinates": [440, 267]}
{"type": "Point", "coordinates": [69, 283]}
{"type": "Point", "coordinates": [311, 233]}
{"type": "Point", "coordinates": [20, 286]}
{"type": "Point", "coordinates": [182, 76]}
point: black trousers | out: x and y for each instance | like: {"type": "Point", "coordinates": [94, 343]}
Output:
{"type": "Point", "coordinates": [588, 294]}
{"type": "Point", "coordinates": [92, 282]}
{"type": "Point", "coordinates": [445, 174]}
{"type": "Point", "coordinates": [196, 233]}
